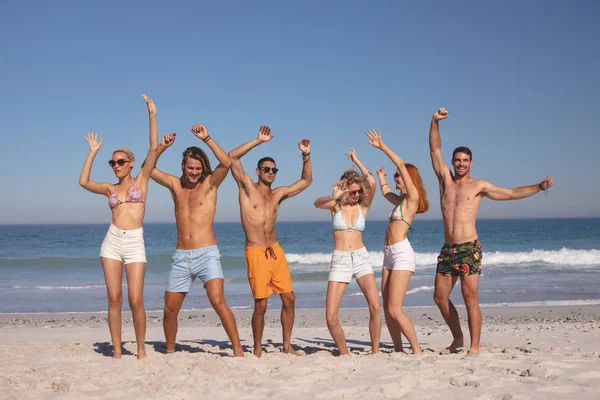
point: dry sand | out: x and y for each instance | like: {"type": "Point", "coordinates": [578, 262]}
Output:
{"type": "Point", "coordinates": [527, 353]}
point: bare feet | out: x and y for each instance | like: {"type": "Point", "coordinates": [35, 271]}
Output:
{"type": "Point", "coordinates": [257, 352]}
{"type": "Point", "coordinates": [417, 351]}
{"type": "Point", "coordinates": [238, 352]}
{"type": "Point", "coordinates": [289, 350]}
{"type": "Point", "coordinates": [141, 355]}
{"type": "Point", "coordinates": [456, 346]}
{"type": "Point", "coordinates": [472, 352]}
{"type": "Point", "coordinates": [116, 355]}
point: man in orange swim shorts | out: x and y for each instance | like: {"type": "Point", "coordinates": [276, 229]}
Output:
{"type": "Point", "coordinates": [268, 271]}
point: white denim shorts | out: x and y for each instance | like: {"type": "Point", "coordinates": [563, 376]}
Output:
{"type": "Point", "coordinates": [124, 245]}
{"type": "Point", "coordinates": [399, 257]}
{"type": "Point", "coordinates": [347, 264]}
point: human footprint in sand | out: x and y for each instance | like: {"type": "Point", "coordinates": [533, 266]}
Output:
{"type": "Point", "coordinates": [461, 254]}
{"type": "Point", "coordinates": [350, 201]}
{"type": "Point", "coordinates": [124, 242]}
{"type": "Point", "coordinates": [399, 260]}
{"type": "Point", "coordinates": [197, 254]}
{"type": "Point", "coordinates": [268, 271]}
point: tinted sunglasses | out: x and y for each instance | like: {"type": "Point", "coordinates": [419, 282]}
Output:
{"type": "Point", "coordinates": [356, 192]}
{"type": "Point", "coordinates": [396, 175]}
{"type": "Point", "coordinates": [269, 169]}
{"type": "Point", "coordinates": [120, 162]}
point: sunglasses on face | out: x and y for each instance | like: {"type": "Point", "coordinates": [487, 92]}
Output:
{"type": "Point", "coordinates": [269, 169]}
{"type": "Point", "coordinates": [396, 175]}
{"type": "Point", "coordinates": [356, 192]}
{"type": "Point", "coordinates": [120, 162]}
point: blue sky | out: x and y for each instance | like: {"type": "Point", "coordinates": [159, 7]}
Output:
{"type": "Point", "coordinates": [519, 78]}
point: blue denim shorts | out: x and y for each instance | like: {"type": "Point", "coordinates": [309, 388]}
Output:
{"type": "Point", "coordinates": [187, 265]}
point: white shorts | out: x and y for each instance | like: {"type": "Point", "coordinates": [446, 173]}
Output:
{"type": "Point", "coordinates": [124, 245]}
{"type": "Point", "coordinates": [399, 257]}
{"type": "Point", "coordinates": [347, 264]}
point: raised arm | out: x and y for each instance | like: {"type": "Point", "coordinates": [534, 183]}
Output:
{"type": "Point", "coordinates": [368, 176]}
{"type": "Point", "coordinates": [220, 172]}
{"type": "Point", "coordinates": [306, 178]}
{"type": "Point", "coordinates": [152, 155]}
{"type": "Point", "coordinates": [237, 170]}
{"type": "Point", "coordinates": [435, 144]}
{"type": "Point", "coordinates": [497, 193]}
{"type": "Point", "coordinates": [411, 190]}
{"type": "Point", "coordinates": [84, 178]}
{"type": "Point", "coordinates": [328, 202]}
{"type": "Point", "coordinates": [157, 175]}
{"type": "Point", "coordinates": [386, 190]}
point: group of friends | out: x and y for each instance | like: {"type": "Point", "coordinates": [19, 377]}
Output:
{"type": "Point", "coordinates": [194, 195]}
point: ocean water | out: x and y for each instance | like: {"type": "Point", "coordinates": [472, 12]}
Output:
{"type": "Point", "coordinates": [56, 268]}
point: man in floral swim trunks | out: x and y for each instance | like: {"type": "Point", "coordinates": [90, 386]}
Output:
{"type": "Point", "coordinates": [461, 255]}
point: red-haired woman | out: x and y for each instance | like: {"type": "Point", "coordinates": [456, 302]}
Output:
{"type": "Point", "coordinates": [399, 261]}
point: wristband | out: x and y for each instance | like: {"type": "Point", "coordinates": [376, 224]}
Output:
{"type": "Point", "coordinates": [367, 174]}
{"type": "Point", "coordinates": [306, 154]}
{"type": "Point", "coordinates": [206, 139]}
{"type": "Point", "coordinates": [385, 184]}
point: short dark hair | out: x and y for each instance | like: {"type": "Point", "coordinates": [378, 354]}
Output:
{"type": "Point", "coordinates": [462, 149]}
{"type": "Point", "coordinates": [264, 159]}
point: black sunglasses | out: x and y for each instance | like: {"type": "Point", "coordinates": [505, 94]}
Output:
{"type": "Point", "coordinates": [396, 175]}
{"type": "Point", "coordinates": [269, 169]}
{"type": "Point", "coordinates": [356, 192]}
{"type": "Point", "coordinates": [120, 161]}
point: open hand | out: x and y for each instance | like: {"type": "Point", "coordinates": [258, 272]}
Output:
{"type": "Point", "coordinates": [337, 190]}
{"type": "Point", "coordinates": [92, 139]}
{"type": "Point", "coordinates": [304, 146]}
{"type": "Point", "coordinates": [375, 138]}
{"type": "Point", "coordinates": [547, 183]}
{"type": "Point", "coordinates": [440, 114]}
{"type": "Point", "coordinates": [381, 172]}
{"type": "Point", "coordinates": [199, 131]}
{"type": "Point", "coordinates": [264, 134]}
{"type": "Point", "coordinates": [150, 104]}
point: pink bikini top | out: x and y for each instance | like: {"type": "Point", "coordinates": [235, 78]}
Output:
{"type": "Point", "coordinates": [134, 195]}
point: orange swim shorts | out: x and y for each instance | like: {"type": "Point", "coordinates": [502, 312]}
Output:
{"type": "Point", "coordinates": [268, 271]}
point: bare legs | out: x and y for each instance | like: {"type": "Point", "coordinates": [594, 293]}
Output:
{"type": "Point", "coordinates": [335, 291]}
{"type": "Point", "coordinates": [288, 301]}
{"type": "Point", "coordinates": [393, 289]}
{"type": "Point", "coordinates": [113, 276]}
{"type": "Point", "coordinates": [470, 292]}
{"type": "Point", "coordinates": [215, 292]}
{"type": "Point", "coordinates": [216, 295]}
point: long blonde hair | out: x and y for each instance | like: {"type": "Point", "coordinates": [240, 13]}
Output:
{"type": "Point", "coordinates": [351, 177]}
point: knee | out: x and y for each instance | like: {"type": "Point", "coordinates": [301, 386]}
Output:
{"type": "Point", "coordinates": [471, 300]}
{"type": "Point", "coordinates": [218, 303]}
{"type": "Point", "coordinates": [115, 301]}
{"type": "Point", "coordinates": [170, 311]}
{"type": "Point", "coordinates": [396, 313]}
{"type": "Point", "coordinates": [289, 301]}
{"type": "Point", "coordinates": [260, 307]}
{"type": "Point", "coordinates": [332, 319]}
{"type": "Point", "coordinates": [440, 300]}
{"type": "Point", "coordinates": [136, 304]}
{"type": "Point", "coordinates": [375, 308]}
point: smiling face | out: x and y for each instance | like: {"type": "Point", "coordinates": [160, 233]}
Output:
{"type": "Point", "coordinates": [192, 170]}
{"type": "Point", "coordinates": [265, 172]}
{"type": "Point", "coordinates": [355, 190]}
{"type": "Point", "coordinates": [120, 164]}
{"type": "Point", "coordinates": [462, 164]}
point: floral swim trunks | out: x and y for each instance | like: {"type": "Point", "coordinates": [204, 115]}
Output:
{"type": "Point", "coordinates": [460, 259]}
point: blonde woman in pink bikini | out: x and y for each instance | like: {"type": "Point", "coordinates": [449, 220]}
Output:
{"type": "Point", "coordinates": [124, 242]}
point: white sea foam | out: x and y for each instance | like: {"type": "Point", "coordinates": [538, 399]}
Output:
{"type": "Point", "coordinates": [49, 287]}
{"type": "Point", "coordinates": [562, 257]}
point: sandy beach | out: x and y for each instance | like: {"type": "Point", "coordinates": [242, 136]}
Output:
{"type": "Point", "coordinates": [527, 353]}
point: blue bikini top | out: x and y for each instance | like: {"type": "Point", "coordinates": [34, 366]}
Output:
{"type": "Point", "coordinates": [340, 225]}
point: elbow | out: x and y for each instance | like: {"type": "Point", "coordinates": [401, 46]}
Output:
{"type": "Point", "coordinates": [83, 183]}
{"type": "Point", "coordinates": [232, 156]}
{"type": "Point", "coordinates": [227, 163]}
